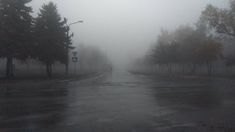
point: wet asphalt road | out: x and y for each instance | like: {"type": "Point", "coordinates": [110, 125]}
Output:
{"type": "Point", "coordinates": [119, 102]}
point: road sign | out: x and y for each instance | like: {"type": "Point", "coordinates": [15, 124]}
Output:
{"type": "Point", "coordinates": [75, 59]}
{"type": "Point", "coordinates": [75, 53]}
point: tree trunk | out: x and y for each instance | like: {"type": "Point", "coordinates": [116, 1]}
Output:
{"type": "Point", "coordinates": [183, 68]}
{"type": "Point", "coordinates": [49, 70]}
{"type": "Point", "coordinates": [194, 68]}
{"type": "Point", "coordinates": [209, 68]}
{"type": "Point", "coordinates": [67, 68]}
{"type": "Point", "coordinates": [67, 58]}
{"type": "Point", "coordinates": [169, 68]}
{"type": "Point", "coordinates": [28, 67]}
{"type": "Point", "coordinates": [9, 67]}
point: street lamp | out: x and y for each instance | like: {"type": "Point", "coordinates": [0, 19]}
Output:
{"type": "Point", "coordinates": [81, 21]}
{"type": "Point", "coordinates": [67, 46]}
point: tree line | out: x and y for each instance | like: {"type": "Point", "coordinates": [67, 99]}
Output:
{"type": "Point", "coordinates": [186, 47]}
{"type": "Point", "coordinates": [193, 46]}
{"type": "Point", "coordinates": [45, 38]}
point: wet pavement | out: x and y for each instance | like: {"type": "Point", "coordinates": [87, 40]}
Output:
{"type": "Point", "coordinates": [119, 102]}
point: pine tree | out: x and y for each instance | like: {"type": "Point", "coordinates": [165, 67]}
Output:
{"type": "Point", "coordinates": [15, 31]}
{"type": "Point", "coordinates": [52, 37]}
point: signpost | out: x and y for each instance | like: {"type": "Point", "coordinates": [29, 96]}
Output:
{"type": "Point", "coordinates": [75, 60]}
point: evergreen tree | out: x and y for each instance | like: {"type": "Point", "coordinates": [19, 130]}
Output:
{"type": "Point", "coordinates": [15, 31]}
{"type": "Point", "coordinates": [52, 38]}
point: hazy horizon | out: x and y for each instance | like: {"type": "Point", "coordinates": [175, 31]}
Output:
{"type": "Point", "coordinates": [125, 29]}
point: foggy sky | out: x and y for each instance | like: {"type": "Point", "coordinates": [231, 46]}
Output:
{"type": "Point", "coordinates": [125, 29]}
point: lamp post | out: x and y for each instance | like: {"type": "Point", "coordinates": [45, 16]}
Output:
{"type": "Point", "coordinates": [67, 46]}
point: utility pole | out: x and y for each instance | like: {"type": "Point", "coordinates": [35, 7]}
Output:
{"type": "Point", "coordinates": [67, 47]}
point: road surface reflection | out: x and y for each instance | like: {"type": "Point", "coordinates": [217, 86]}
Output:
{"type": "Point", "coordinates": [119, 102]}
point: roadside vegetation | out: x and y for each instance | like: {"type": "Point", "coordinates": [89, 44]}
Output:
{"type": "Point", "coordinates": [42, 42]}
{"type": "Point", "coordinates": [205, 48]}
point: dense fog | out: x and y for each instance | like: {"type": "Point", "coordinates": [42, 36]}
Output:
{"type": "Point", "coordinates": [125, 29]}
{"type": "Point", "coordinates": [117, 65]}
